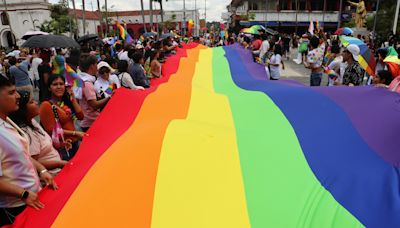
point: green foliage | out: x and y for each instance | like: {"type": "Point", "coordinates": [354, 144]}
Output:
{"type": "Point", "coordinates": [350, 24]}
{"type": "Point", "coordinates": [60, 20]}
{"type": "Point", "coordinates": [385, 19]}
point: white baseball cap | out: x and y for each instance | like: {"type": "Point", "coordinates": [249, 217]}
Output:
{"type": "Point", "coordinates": [104, 64]}
{"type": "Point", "coordinates": [354, 50]}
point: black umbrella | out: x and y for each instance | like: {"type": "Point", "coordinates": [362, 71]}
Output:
{"type": "Point", "coordinates": [88, 37]}
{"type": "Point", "coordinates": [50, 41]}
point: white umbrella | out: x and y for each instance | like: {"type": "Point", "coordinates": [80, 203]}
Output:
{"type": "Point", "coordinates": [29, 34]}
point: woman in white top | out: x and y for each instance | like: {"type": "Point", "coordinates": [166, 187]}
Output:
{"type": "Point", "coordinates": [125, 78]}
{"type": "Point", "coordinates": [275, 63]}
{"type": "Point", "coordinates": [103, 85]}
{"type": "Point", "coordinates": [40, 143]}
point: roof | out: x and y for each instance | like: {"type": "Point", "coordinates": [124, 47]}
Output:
{"type": "Point", "coordinates": [95, 15]}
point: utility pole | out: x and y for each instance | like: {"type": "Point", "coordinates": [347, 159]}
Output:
{"type": "Point", "coordinates": [205, 11]}
{"type": "Point", "coordinates": [184, 18]}
{"type": "Point", "coordinates": [106, 9]}
{"type": "Point", "coordinates": [340, 14]}
{"type": "Point", "coordinates": [297, 13]}
{"type": "Point", "coordinates": [195, 16]}
{"type": "Point", "coordinates": [376, 16]}
{"type": "Point", "coordinates": [396, 17]}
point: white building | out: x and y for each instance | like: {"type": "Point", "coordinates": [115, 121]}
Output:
{"type": "Point", "coordinates": [23, 16]}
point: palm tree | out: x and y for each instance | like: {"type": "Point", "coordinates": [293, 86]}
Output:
{"type": "Point", "coordinates": [76, 19]}
{"type": "Point", "coordinates": [100, 18]}
{"type": "Point", "coordinates": [83, 17]}
{"type": "Point", "coordinates": [144, 22]}
{"type": "Point", "coordinates": [161, 11]}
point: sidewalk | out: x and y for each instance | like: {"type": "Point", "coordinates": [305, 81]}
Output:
{"type": "Point", "coordinates": [298, 72]}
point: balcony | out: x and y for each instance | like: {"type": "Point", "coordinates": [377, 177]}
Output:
{"type": "Point", "coordinates": [290, 16]}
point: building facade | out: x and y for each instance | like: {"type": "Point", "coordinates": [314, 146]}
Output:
{"type": "Point", "coordinates": [133, 20]}
{"type": "Point", "coordinates": [22, 16]}
{"type": "Point", "coordinates": [290, 15]}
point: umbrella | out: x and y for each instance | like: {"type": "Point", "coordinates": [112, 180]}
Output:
{"type": "Point", "coordinates": [29, 34]}
{"type": "Point", "coordinates": [166, 35]}
{"type": "Point", "coordinates": [149, 34]}
{"type": "Point", "coordinates": [88, 37]}
{"type": "Point", "coordinates": [393, 62]}
{"type": "Point", "coordinates": [344, 31]}
{"type": "Point", "coordinates": [255, 29]}
{"type": "Point", "coordinates": [49, 41]}
{"type": "Point", "coordinates": [366, 58]}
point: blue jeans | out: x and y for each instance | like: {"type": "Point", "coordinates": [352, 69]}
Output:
{"type": "Point", "coordinates": [315, 79]}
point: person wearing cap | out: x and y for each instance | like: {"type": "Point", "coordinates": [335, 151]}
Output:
{"type": "Point", "coordinates": [353, 74]}
{"type": "Point", "coordinates": [91, 106]}
{"type": "Point", "coordinates": [103, 82]}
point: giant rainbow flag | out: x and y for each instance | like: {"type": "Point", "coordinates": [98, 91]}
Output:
{"type": "Point", "coordinates": [215, 144]}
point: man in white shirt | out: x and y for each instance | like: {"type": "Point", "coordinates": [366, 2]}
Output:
{"type": "Point", "coordinates": [264, 48]}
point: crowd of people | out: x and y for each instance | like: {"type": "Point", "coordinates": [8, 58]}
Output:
{"type": "Point", "coordinates": [40, 134]}
{"type": "Point", "coordinates": [323, 55]}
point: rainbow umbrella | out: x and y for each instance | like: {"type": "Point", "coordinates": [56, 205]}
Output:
{"type": "Point", "coordinates": [393, 62]}
{"type": "Point", "coordinates": [366, 57]}
{"type": "Point", "coordinates": [344, 31]}
{"type": "Point", "coordinates": [231, 149]}
{"type": "Point", "coordinates": [255, 29]}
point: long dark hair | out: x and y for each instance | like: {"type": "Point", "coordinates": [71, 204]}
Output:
{"type": "Point", "coordinates": [66, 97]}
{"type": "Point", "coordinates": [19, 116]}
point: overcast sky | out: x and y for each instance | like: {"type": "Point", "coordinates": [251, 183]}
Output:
{"type": "Point", "coordinates": [214, 7]}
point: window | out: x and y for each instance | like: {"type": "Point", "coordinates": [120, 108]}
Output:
{"type": "Point", "coordinates": [4, 19]}
{"type": "Point", "coordinates": [317, 5]}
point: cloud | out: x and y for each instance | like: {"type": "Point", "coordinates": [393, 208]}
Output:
{"type": "Point", "coordinates": [214, 7]}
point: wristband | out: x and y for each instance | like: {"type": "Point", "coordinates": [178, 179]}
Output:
{"type": "Point", "coordinates": [43, 171]}
{"type": "Point", "coordinates": [24, 195]}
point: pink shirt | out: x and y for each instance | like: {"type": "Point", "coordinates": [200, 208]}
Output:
{"type": "Point", "coordinates": [91, 114]}
{"type": "Point", "coordinates": [15, 164]}
{"type": "Point", "coordinates": [41, 144]}
{"type": "Point", "coordinates": [395, 85]}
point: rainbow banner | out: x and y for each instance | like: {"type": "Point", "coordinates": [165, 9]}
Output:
{"type": "Point", "coordinates": [232, 149]}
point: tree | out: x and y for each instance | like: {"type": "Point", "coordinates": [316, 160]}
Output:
{"type": "Point", "coordinates": [161, 10]}
{"type": "Point", "coordinates": [60, 20]}
{"type": "Point", "coordinates": [385, 20]}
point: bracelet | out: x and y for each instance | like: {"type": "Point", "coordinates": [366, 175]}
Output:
{"type": "Point", "coordinates": [43, 171]}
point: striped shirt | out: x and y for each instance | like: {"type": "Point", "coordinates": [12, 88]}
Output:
{"type": "Point", "coordinates": [15, 165]}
